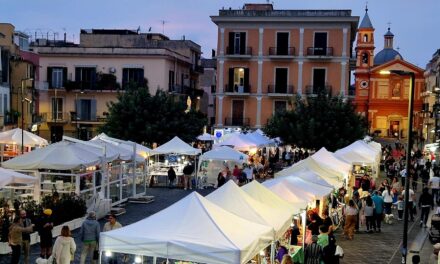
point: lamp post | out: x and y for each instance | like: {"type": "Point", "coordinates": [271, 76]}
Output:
{"type": "Point", "coordinates": [23, 99]}
{"type": "Point", "coordinates": [404, 248]}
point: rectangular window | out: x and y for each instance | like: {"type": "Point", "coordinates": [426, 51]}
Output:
{"type": "Point", "coordinates": [86, 109]}
{"type": "Point", "coordinates": [283, 43]}
{"type": "Point", "coordinates": [132, 76]}
{"type": "Point", "coordinates": [56, 77]}
{"type": "Point", "coordinates": [319, 80]}
{"type": "Point", "coordinates": [238, 80]}
{"type": "Point", "coordinates": [57, 108]}
{"type": "Point", "coordinates": [320, 43]}
{"type": "Point", "coordinates": [171, 80]}
{"type": "Point", "coordinates": [280, 106]}
{"type": "Point", "coordinates": [85, 77]}
{"type": "Point", "coordinates": [281, 80]}
{"type": "Point", "coordinates": [237, 43]}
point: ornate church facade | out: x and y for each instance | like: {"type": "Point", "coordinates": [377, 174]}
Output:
{"type": "Point", "coordinates": [383, 99]}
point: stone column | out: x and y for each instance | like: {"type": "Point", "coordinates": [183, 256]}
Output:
{"type": "Point", "coordinates": [220, 111]}
{"type": "Point", "coordinates": [222, 42]}
{"type": "Point", "coordinates": [300, 78]}
{"type": "Point", "coordinates": [301, 42]}
{"type": "Point", "coordinates": [260, 42]}
{"type": "Point", "coordinates": [343, 77]}
{"type": "Point", "coordinates": [344, 42]}
{"type": "Point", "coordinates": [260, 77]}
{"type": "Point", "coordinates": [258, 120]}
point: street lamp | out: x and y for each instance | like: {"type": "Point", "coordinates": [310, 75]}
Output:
{"type": "Point", "coordinates": [404, 248]}
{"type": "Point", "coordinates": [23, 99]}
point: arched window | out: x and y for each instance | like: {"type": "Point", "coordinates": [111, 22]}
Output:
{"type": "Point", "coordinates": [365, 58]}
{"type": "Point", "coordinates": [365, 38]}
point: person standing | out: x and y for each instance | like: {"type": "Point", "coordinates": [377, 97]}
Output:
{"type": "Point", "coordinates": [249, 171]}
{"type": "Point", "coordinates": [369, 214]}
{"type": "Point", "coordinates": [281, 251]}
{"type": "Point", "coordinates": [45, 226]}
{"type": "Point", "coordinates": [313, 252]}
{"type": "Point", "coordinates": [410, 205]}
{"type": "Point", "coordinates": [15, 238]}
{"type": "Point", "coordinates": [350, 219]}
{"type": "Point", "coordinates": [89, 235]}
{"type": "Point", "coordinates": [387, 196]}
{"type": "Point", "coordinates": [426, 203]}
{"type": "Point", "coordinates": [434, 184]}
{"type": "Point", "coordinates": [26, 236]}
{"type": "Point", "coordinates": [112, 224]}
{"type": "Point", "coordinates": [64, 247]}
{"type": "Point", "coordinates": [378, 210]}
{"type": "Point", "coordinates": [171, 177]}
{"type": "Point", "coordinates": [187, 172]}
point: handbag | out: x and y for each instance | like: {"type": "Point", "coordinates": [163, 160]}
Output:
{"type": "Point", "coordinates": [339, 251]}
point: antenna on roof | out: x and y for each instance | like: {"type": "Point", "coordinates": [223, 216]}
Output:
{"type": "Point", "coordinates": [149, 29]}
{"type": "Point", "coordinates": [138, 29]}
{"type": "Point", "coordinates": [163, 26]}
{"type": "Point", "coordinates": [366, 6]}
{"type": "Point", "coordinates": [389, 25]}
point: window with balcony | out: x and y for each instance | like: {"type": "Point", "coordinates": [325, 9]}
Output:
{"type": "Point", "coordinates": [86, 109]}
{"type": "Point", "coordinates": [171, 81]}
{"type": "Point", "coordinates": [279, 106]}
{"type": "Point", "coordinates": [57, 108]}
{"type": "Point", "coordinates": [134, 76]}
{"type": "Point", "coordinates": [85, 77]}
{"type": "Point", "coordinates": [237, 44]}
{"type": "Point", "coordinates": [4, 67]}
{"type": "Point", "coordinates": [281, 80]}
{"type": "Point", "coordinates": [320, 47]}
{"type": "Point", "coordinates": [238, 80]}
{"type": "Point", "coordinates": [56, 77]}
{"type": "Point", "coordinates": [282, 43]}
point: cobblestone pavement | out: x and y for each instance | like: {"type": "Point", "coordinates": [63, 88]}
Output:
{"type": "Point", "coordinates": [364, 249]}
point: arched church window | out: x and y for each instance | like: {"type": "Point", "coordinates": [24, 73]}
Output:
{"type": "Point", "coordinates": [365, 38]}
{"type": "Point", "coordinates": [365, 58]}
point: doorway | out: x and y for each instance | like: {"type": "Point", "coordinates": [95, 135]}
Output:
{"type": "Point", "coordinates": [318, 80]}
{"type": "Point", "coordinates": [395, 128]}
{"type": "Point", "coordinates": [56, 133]}
{"type": "Point", "coordinates": [282, 43]}
{"type": "Point", "coordinates": [237, 112]}
{"type": "Point", "coordinates": [320, 43]}
{"type": "Point", "coordinates": [281, 80]}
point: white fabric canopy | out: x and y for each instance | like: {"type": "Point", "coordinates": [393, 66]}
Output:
{"type": "Point", "coordinates": [311, 176]}
{"type": "Point", "coordinates": [330, 160]}
{"type": "Point", "coordinates": [126, 144]}
{"type": "Point", "coordinates": [330, 176]}
{"type": "Point", "coordinates": [359, 152]}
{"type": "Point", "coordinates": [240, 142]}
{"type": "Point", "coordinates": [284, 190]}
{"type": "Point", "coordinates": [176, 146]}
{"type": "Point", "coordinates": [235, 200]}
{"type": "Point", "coordinates": [301, 187]}
{"type": "Point", "coordinates": [260, 139]}
{"type": "Point", "coordinates": [10, 177]}
{"type": "Point", "coordinates": [62, 155]}
{"type": "Point", "coordinates": [266, 196]}
{"type": "Point", "coordinates": [121, 153]}
{"type": "Point", "coordinates": [224, 153]}
{"type": "Point", "coordinates": [206, 137]}
{"type": "Point", "coordinates": [192, 229]}
{"type": "Point", "coordinates": [13, 136]}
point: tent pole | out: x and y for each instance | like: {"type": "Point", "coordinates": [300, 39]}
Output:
{"type": "Point", "coordinates": [134, 170]}
{"type": "Point", "coordinates": [272, 252]}
{"type": "Point", "coordinates": [154, 260]}
{"type": "Point", "coordinates": [2, 152]}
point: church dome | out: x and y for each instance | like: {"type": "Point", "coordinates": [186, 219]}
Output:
{"type": "Point", "coordinates": [386, 55]}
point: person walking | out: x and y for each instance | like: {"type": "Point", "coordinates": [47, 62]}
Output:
{"type": "Point", "coordinates": [387, 196]}
{"type": "Point", "coordinates": [434, 184]}
{"type": "Point", "coordinates": [15, 238]}
{"type": "Point", "coordinates": [426, 203]}
{"type": "Point", "coordinates": [187, 172]}
{"type": "Point", "coordinates": [89, 235]}
{"type": "Point", "coordinates": [410, 205]}
{"type": "Point", "coordinates": [45, 226]}
{"type": "Point", "coordinates": [378, 210]}
{"type": "Point", "coordinates": [64, 247]}
{"type": "Point", "coordinates": [350, 219]}
{"type": "Point", "coordinates": [26, 236]}
{"type": "Point", "coordinates": [171, 177]}
{"type": "Point", "coordinates": [369, 214]}
{"type": "Point", "coordinates": [313, 252]}
{"type": "Point", "coordinates": [112, 224]}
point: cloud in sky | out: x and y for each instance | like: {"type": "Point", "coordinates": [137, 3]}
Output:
{"type": "Point", "coordinates": [414, 23]}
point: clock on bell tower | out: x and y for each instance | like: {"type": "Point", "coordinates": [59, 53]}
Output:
{"type": "Point", "coordinates": [364, 55]}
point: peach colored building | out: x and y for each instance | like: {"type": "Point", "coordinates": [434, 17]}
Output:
{"type": "Point", "coordinates": [266, 57]}
{"type": "Point", "coordinates": [384, 98]}
{"type": "Point", "coordinates": [78, 81]}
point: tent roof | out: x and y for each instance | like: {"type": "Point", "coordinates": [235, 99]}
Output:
{"type": "Point", "coordinates": [192, 229]}
{"type": "Point", "coordinates": [224, 153]}
{"type": "Point", "coordinates": [330, 160]}
{"type": "Point", "coordinates": [240, 142]}
{"type": "Point", "coordinates": [263, 194]}
{"type": "Point", "coordinates": [260, 139]}
{"type": "Point", "coordinates": [10, 177]}
{"type": "Point", "coordinates": [357, 153]}
{"type": "Point", "coordinates": [301, 187]}
{"type": "Point", "coordinates": [121, 153]}
{"type": "Point", "coordinates": [62, 155]}
{"type": "Point", "coordinates": [206, 137]}
{"type": "Point", "coordinates": [13, 136]}
{"type": "Point", "coordinates": [176, 146]}
{"type": "Point", "coordinates": [127, 144]}
{"type": "Point", "coordinates": [235, 200]}
{"type": "Point", "coordinates": [283, 190]}
{"type": "Point", "coordinates": [311, 176]}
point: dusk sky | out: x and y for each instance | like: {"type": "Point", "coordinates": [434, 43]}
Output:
{"type": "Point", "coordinates": [414, 23]}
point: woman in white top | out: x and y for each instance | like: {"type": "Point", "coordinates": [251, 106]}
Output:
{"type": "Point", "coordinates": [387, 199]}
{"type": "Point", "coordinates": [64, 247]}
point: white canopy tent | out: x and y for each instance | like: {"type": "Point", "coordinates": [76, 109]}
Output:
{"type": "Point", "coordinates": [126, 144]}
{"type": "Point", "coordinates": [266, 196]}
{"type": "Point", "coordinates": [301, 187]}
{"type": "Point", "coordinates": [62, 155]}
{"type": "Point", "coordinates": [206, 137]}
{"type": "Point", "coordinates": [241, 142]}
{"type": "Point", "coordinates": [210, 234]}
{"type": "Point", "coordinates": [281, 188]}
{"type": "Point", "coordinates": [224, 153]}
{"type": "Point", "coordinates": [329, 159]}
{"type": "Point", "coordinates": [260, 139]}
{"type": "Point", "coordinates": [8, 177]}
{"type": "Point", "coordinates": [330, 176]}
{"type": "Point", "coordinates": [311, 176]}
{"type": "Point", "coordinates": [177, 146]}
{"type": "Point", "coordinates": [370, 154]}
{"type": "Point", "coordinates": [13, 136]}
{"type": "Point", "coordinates": [235, 200]}
{"type": "Point", "coordinates": [122, 153]}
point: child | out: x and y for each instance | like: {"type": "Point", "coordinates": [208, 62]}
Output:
{"type": "Point", "coordinates": [400, 207]}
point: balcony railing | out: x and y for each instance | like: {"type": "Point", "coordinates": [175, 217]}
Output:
{"type": "Point", "coordinates": [92, 86]}
{"type": "Point", "coordinates": [315, 90]}
{"type": "Point", "coordinates": [320, 51]}
{"type": "Point", "coordinates": [275, 51]}
{"type": "Point", "coordinates": [280, 89]}
{"type": "Point", "coordinates": [196, 69]}
{"type": "Point", "coordinates": [42, 86]}
{"type": "Point", "coordinates": [60, 117]}
{"type": "Point", "coordinates": [234, 121]}
{"type": "Point", "coordinates": [185, 90]}
{"type": "Point", "coordinates": [237, 52]}
{"type": "Point", "coordinates": [237, 89]}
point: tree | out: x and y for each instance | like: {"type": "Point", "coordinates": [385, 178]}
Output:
{"type": "Point", "coordinates": [323, 121]}
{"type": "Point", "coordinates": [139, 116]}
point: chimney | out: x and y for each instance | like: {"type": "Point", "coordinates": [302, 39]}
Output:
{"type": "Point", "coordinates": [65, 36]}
{"type": "Point", "coordinates": [213, 53]}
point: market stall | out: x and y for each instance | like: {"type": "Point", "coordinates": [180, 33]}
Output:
{"type": "Point", "coordinates": [11, 140]}
{"type": "Point", "coordinates": [16, 185]}
{"type": "Point", "coordinates": [214, 161]}
{"type": "Point", "coordinates": [211, 234]}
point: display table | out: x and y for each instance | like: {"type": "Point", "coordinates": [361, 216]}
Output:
{"type": "Point", "coordinates": [297, 254]}
{"type": "Point", "coordinates": [160, 178]}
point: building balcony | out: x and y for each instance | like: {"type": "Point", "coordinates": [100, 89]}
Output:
{"type": "Point", "coordinates": [234, 121]}
{"type": "Point", "coordinates": [54, 117]}
{"type": "Point", "coordinates": [320, 52]}
{"type": "Point", "coordinates": [239, 53]}
{"type": "Point", "coordinates": [87, 119]}
{"type": "Point", "coordinates": [196, 69]}
{"type": "Point", "coordinates": [42, 86]}
{"type": "Point", "coordinates": [281, 53]}
{"type": "Point", "coordinates": [280, 90]}
{"type": "Point", "coordinates": [185, 90]}
{"type": "Point", "coordinates": [237, 90]}
{"type": "Point", "coordinates": [313, 90]}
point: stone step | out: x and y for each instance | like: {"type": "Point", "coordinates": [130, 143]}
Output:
{"type": "Point", "coordinates": [117, 211]}
{"type": "Point", "coordinates": [141, 199]}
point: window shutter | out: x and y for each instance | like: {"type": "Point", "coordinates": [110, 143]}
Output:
{"type": "Point", "coordinates": [242, 42]}
{"type": "Point", "coordinates": [230, 80]}
{"type": "Point", "coordinates": [64, 77]}
{"type": "Point", "coordinates": [93, 78]}
{"type": "Point", "coordinates": [78, 109]}
{"type": "Point", "coordinates": [124, 78]}
{"type": "Point", "coordinates": [246, 80]}
{"type": "Point", "coordinates": [93, 109]}
{"type": "Point", "coordinates": [49, 76]}
{"type": "Point", "coordinates": [230, 48]}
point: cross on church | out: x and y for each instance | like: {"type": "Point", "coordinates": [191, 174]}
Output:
{"type": "Point", "coordinates": [389, 25]}
{"type": "Point", "coordinates": [366, 6]}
